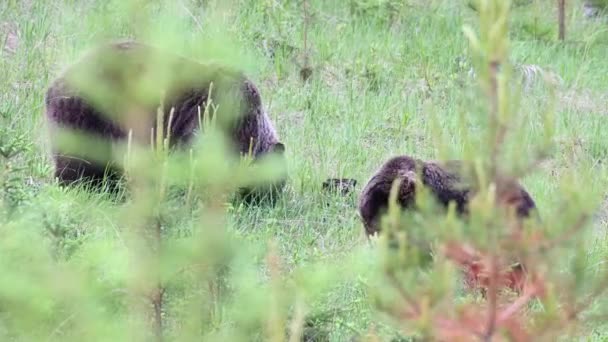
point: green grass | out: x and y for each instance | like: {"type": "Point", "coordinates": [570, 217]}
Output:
{"type": "Point", "coordinates": [379, 88]}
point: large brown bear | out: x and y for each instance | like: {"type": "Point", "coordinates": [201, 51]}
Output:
{"type": "Point", "coordinates": [117, 88]}
{"type": "Point", "coordinates": [445, 181]}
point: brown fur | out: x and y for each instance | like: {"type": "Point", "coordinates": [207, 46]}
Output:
{"type": "Point", "coordinates": [117, 88]}
{"type": "Point", "coordinates": [445, 181]}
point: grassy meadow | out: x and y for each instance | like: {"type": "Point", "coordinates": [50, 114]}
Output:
{"type": "Point", "coordinates": [388, 78]}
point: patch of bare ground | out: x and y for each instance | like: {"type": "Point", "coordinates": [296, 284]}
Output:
{"type": "Point", "coordinates": [584, 101]}
{"type": "Point", "coordinates": [332, 77]}
{"type": "Point", "coordinates": [295, 118]}
{"type": "Point", "coordinates": [9, 37]}
{"type": "Point", "coordinates": [601, 216]}
{"type": "Point", "coordinates": [574, 149]}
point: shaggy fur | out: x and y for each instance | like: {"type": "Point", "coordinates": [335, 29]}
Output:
{"type": "Point", "coordinates": [445, 182]}
{"type": "Point", "coordinates": [118, 87]}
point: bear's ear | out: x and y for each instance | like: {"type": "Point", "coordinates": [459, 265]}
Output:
{"type": "Point", "coordinates": [278, 148]}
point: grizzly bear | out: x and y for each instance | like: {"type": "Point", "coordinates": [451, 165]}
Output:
{"type": "Point", "coordinates": [117, 89]}
{"type": "Point", "coordinates": [445, 181]}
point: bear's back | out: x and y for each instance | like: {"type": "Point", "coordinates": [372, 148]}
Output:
{"type": "Point", "coordinates": [119, 86]}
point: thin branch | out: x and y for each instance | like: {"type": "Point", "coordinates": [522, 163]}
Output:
{"type": "Point", "coordinates": [159, 291]}
{"type": "Point", "coordinates": [493, 298]}
{"type": "Point", "coordinates": [598, 291]}
{"type": "Point", "coordinates": [157, 301]}
{"type": "Point", "coordinates": [500, 129]}
{"type": "Point", "coordinates": [410, 300]}
{"type": "Point", "coordinates": [305, 10]}
{"type": "Point", "coordinates": [561, 13]}
{"type": "Point", "coordinates": [57, 330]}
{"type": "Point", "coordinates": [455, 328]}
{"type": "Point", "coordinates": [562, 238]}
{"type": "Point", "coordinates": [524, 299]}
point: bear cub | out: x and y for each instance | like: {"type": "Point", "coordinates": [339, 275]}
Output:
{"type": "Point", "coordinates": [445, 181]}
